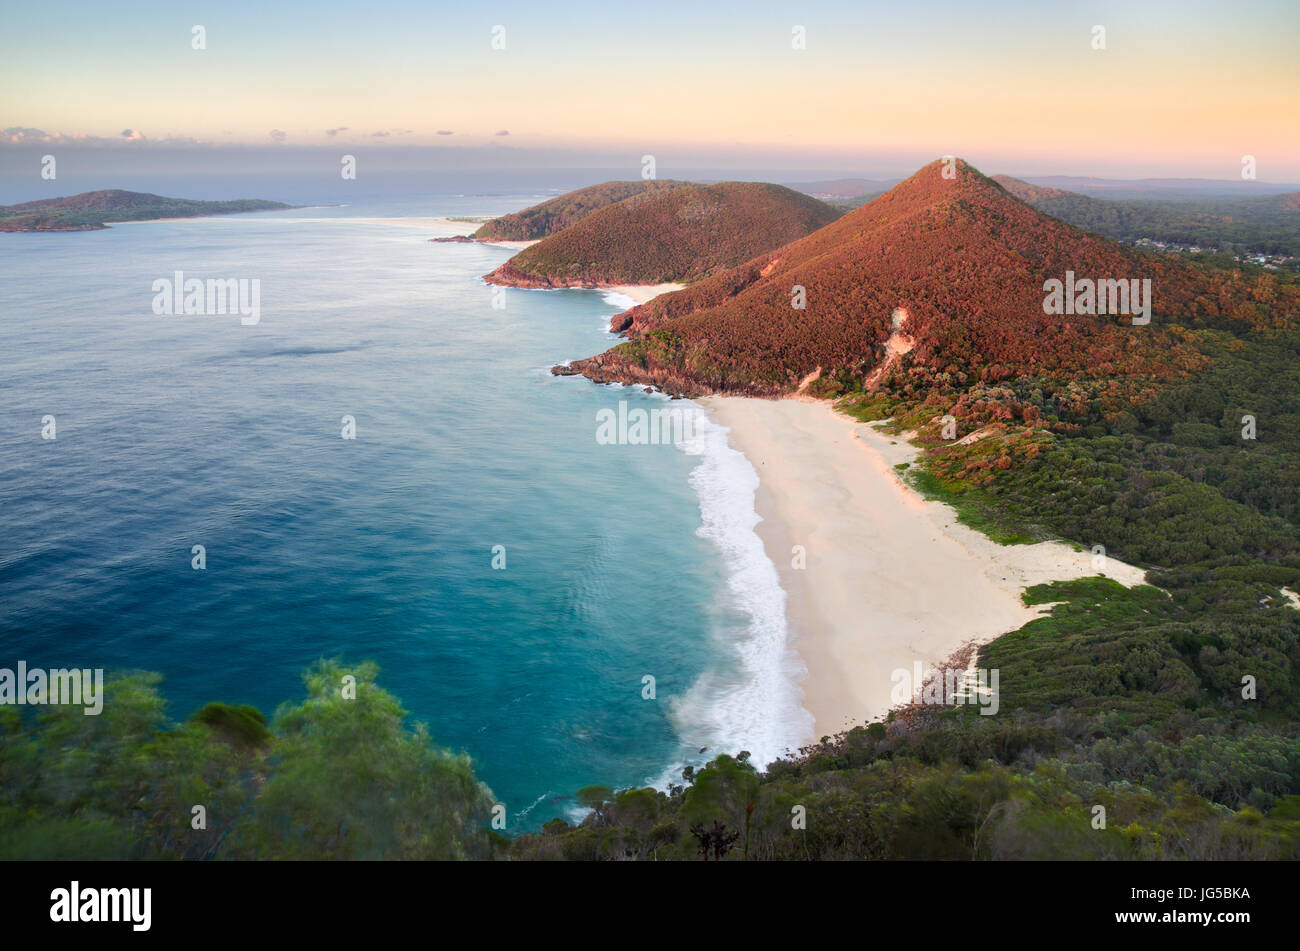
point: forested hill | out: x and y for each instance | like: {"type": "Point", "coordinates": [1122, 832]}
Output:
{"type": "Point", "coordinates": [680, 234]}
{"type": "Point", "coordinates": [92, 211]}
{"type": "Point", "coordinates": [1030, 193]}
{"type": "Point", "coordinates": [957, 266]}
{"type": "Point", "coordinates": [558, 213]}
{"type": "Point", "coordinates": [1265, 224]}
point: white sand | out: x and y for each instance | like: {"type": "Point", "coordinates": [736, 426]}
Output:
{"type": "Point", "coordinates": [512, 245]}
{"type": "Point", "coordinates": [443, 228]}
{"type": "Point", "coordinates": [642, 292]}
{"type": "Point", "coordinates": [457, 227]}
{"type": "Point", "coordinates": [890, 577]}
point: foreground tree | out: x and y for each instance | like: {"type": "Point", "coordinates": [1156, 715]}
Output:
{"type": "Point", "coordinates": [350, 781]}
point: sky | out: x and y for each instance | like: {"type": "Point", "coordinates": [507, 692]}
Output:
{"type": "Point", "coordinates": [1181, 89]}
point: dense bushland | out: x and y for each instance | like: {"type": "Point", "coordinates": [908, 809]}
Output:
{"type": "Point", "coordinates": [967, 262]}
{"type": "Point", "coordinates": [1267, 224]}
{"type": "Point", "coordinates": [558, 213]}
{"type": "Point", "coordinates": [326, 778]}
{"type": "Point", "coordinates": [668, 235]}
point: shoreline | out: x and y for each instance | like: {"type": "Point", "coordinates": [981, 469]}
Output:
{"type": "Point", "coordinates": [639, 293]}
{"type": "Point", "coordinates": [890, 578]}
{"type": "Point", "coordinates": [455, 228]}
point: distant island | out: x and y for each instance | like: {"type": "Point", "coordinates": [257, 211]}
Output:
{"type": "Point", "coordinates": [94, 211]}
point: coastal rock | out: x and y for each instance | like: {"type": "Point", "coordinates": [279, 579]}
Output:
{"type": "Point", "coordinates": [668, 381]}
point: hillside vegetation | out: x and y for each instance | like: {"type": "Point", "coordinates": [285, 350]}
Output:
{"type": "Point", "coordinates": [965, 262]}
{"type": "Point", "coordinates": [558, 213]}
{"type": "Point", "coordinates": [331, 777]}
{"type": "Point", "coordinates": [1267, 224]}
{"type": "Point", "coordinates": [671, 235]}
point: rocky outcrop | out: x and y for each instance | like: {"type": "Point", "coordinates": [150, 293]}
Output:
{"type": "Point", "coordinates": [508, 275]}
{"type": "Point", "coordinates": [600, 370]}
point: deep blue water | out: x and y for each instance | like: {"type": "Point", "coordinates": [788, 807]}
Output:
{"type": "Point", "coordinates": [175, 431]}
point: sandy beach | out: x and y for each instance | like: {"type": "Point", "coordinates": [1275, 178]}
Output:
{"type": "Point", "coordinates": [890, 578]}
{"type": "Point", "coordinates": [443, 228]}
{"type": "Point", "coordinates": [512, 245]}
{"type": "Point", "coordinates": [642, 292]}
{"type": "Point", "coordinates": [455, 227]}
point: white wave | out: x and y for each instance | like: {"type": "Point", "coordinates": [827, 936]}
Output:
{"type": "Point", "coordinates": [614, 299]}
{"type": "Point", "coordinates": [523, 813]}
{"type": "Point", "coordinates": [617, 299]}
{"type": "Point", "coordinates": [756, 703]}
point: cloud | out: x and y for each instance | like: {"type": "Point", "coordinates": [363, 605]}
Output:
{"type": "Point", "coordinates": [333, 132]}
{"type": "Point", "coordinates": [381, 134]}
{"type": "Point", "coordinates": [279, 136]}
{"type": "Point", "coordinates": [445, 132]}
{"type": "Point", "coordinates": [18, 135]}
{"type": "Point", "coordinates": [126, 139]}
{"type": "Point", "coordinates": [503, 132]}
{"type": "Point", "coordinates": [180, 141]}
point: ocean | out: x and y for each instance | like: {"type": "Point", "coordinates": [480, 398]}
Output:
{"type": "Point", "coordinates": [621, 562]}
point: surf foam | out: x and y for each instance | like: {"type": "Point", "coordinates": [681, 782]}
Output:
{"type": "Point", "coordinates": [755, 703]}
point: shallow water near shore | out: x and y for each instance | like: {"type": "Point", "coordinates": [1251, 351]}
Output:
{"type": "Point", "coordinates": [180, 431]}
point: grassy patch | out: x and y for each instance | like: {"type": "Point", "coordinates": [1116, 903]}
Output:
{"type": "Point", "coordinates": [972, 511]}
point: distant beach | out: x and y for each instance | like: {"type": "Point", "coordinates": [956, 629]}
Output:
{"type": "Point", "coordinates": [641, 293]}
{"type": "Point", "coordinates": [890, 577]}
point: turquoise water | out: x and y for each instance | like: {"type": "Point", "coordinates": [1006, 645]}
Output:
{"type": "Point", "coordinates": [176, 431]}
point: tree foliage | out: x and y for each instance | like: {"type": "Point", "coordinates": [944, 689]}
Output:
{"type": "Point", "coordinates": [330, 778]}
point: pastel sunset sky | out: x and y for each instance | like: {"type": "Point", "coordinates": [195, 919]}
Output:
{"type": "Point", "coordinates": [1183, 88]}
